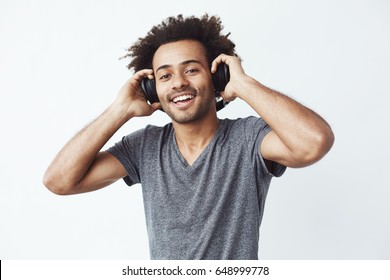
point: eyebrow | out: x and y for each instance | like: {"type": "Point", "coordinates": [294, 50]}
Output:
{"type": "Point", "coordinates": [186, 62]}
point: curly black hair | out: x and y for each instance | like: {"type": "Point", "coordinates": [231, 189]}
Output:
{"type": "Point", "coordinates": [206, 30]}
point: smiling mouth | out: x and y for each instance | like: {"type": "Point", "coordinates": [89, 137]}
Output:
{"type": "Point", "coordinates": [183, 98]}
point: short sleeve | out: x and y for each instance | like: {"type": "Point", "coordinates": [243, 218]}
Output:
{"type": "Point", "coordinates": [255, 130]}
{"type": "Point", "coordinates": [127, 151]}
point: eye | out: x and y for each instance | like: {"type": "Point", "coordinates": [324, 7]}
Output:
{"type": "Point", "coordinates": [191, 71]}
{"type": "Point", "coordinates": [164, 76]}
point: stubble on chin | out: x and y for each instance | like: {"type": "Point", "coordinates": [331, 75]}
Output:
{"type": "Point", "coordinates": [190, 115]}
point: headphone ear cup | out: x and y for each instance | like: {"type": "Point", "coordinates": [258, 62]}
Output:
{"type": "Point", "coordinates": [149, 88]}
{"type": "Point", "coordinates": [220, 79]}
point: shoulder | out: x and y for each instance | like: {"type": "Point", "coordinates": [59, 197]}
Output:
{"type": "Point", "coordinates": [140, 138]}
{"type": "Point", "coordinates": [150, 131]}
{"type": "Point", "coordinates": [244, 126]}
{"type": "Point", "coordinates": [242, 121]}
{"type": "Point", "coordinates": [153, 132]}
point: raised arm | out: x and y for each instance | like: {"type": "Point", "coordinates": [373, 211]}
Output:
{"type": "Point", "coordinates": [299, 136]}
{"type": "Point", "coordinates": [80, 166]}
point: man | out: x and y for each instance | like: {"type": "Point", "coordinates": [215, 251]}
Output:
{"type": "Point", "coordinates": [204, 180]}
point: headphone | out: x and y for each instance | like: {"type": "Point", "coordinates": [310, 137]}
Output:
{"type": "Point", "coordinates": [220, 79]}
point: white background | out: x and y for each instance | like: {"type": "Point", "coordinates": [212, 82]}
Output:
{"type": "Point", "coordinates": [60, 68]}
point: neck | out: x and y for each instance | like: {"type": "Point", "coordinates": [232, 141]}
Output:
{"type": "Point", "coordinates": [192, 138]}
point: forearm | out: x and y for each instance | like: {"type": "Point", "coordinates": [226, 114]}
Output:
{"type": "Point", "coordinates": [72, 162]}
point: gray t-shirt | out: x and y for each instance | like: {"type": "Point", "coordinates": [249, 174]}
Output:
{"type": "Point", "coordinates": [211, 209]}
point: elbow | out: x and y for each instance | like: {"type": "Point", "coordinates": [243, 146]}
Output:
{"type": "Point", "coordinates": [325, 142]}
{"type": "Point", "coordinates": [314, 148]}
{"type": "Point", "coordinates": [55, 185]}
{"type": "Point", "coordinates": [319, 146]}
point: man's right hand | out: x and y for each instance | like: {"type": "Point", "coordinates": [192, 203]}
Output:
{"type": "Point", "coordinates": [80, 166]}
{"type": "Point", "coordinates": [131, 98]}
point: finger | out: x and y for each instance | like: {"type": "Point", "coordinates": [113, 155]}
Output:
{"type": "Point", "coordinates": [222, 58]}
{"type": "Point", "coordinates": [226, 98]}
{"type": "Point", "coordinates": [156, 106]}
{"type": "Point", "coordinates": [138, 76]}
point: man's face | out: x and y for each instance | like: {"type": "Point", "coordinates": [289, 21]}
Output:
{"type": "Point", "coordinates": [183, 80]}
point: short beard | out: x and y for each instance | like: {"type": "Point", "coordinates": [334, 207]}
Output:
{"type": "Point", "coordinates": [185, 117]}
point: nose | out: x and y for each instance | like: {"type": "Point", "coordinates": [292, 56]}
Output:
{"type": "Point", "coordinates": [179, 81]}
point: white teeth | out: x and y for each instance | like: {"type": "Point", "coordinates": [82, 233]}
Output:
{"type": "Point", "coordinates": [182, 97]}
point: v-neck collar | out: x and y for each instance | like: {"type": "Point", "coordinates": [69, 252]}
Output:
{"type": "Point", "coordinates": [203, 154]}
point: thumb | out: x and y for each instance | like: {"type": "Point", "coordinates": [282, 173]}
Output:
{"type": "Point", "coordinates": [226, 96]}
{"type": "Point", "coordinates": [156, 106]}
